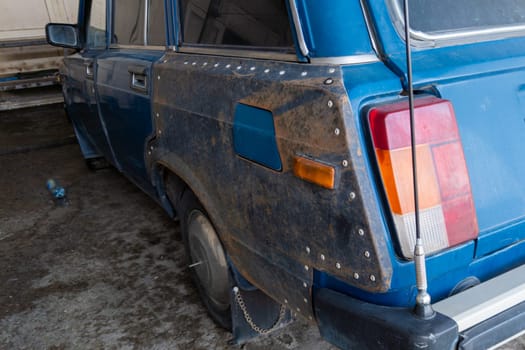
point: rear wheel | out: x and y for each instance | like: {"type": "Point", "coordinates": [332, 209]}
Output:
{"type": "Point", "coordinates": [207, 260]}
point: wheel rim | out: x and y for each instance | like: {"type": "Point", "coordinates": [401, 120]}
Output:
{"type": "Point", "coordinates": [208, 259]}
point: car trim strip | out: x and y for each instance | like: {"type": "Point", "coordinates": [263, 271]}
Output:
{"type": "Point", "coordinates": [485, 300]}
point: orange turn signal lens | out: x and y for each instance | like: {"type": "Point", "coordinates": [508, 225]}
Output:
{"type": "Point", "coordinates": [396, 171]}
{"type": "Point", "coordinates": [314, 172]}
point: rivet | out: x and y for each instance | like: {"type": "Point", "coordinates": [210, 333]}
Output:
{"type": "Point", "coordinates": [298, 310]}
{"type": "Point", "coordinates": [216, 65]}
{"type": "Point", "coordinates": [338, 265]}
{"type": "Point", "coordinates": [345, 163]}
{"type": "Point", "coordinates": [337, 131]}
{"type": "Point", "coordinates": [266, 71]}
{"type": "Point", "coordinates": [306, 267]}
{"type": "Point", "coordinates": [186, 62]}
{"type": "Point", "coordinates": [304, 74]}
{"type": "Point", "coordinates": [152, 148]}
{"type": "Point", "coordinates": [239, 67]}
{"type": "Point", "coordinates": [329, 81]}
{"type": "Point", "coordinates": [282, 72]}
{"type": "Point", "coordinates": [372, 278]}
{"type": "Point", "coordinates": [305, 285]}
{"type": "Point", "coordinates": [160, 132]}
{"type": "Point", "coordinates": [356, 275]}
{"type": "Point", "coordinates": [323, 257]}
{"type": "Point", "coordinates": [252, 69]}
{"type": "Point", "coordinates": [158, 115]}
{"type": "Point", "coordinates": [330, 104]}
{"type": "Point", "coordinates": [361, 232]}
{"type": "Point", "coordinates": [205, 64]}
{"type": "Point", "coordinates": [228, 65]}
{"type": "Point", "coordinates": [367, 254]}
{"type": "Point", "coordinates": [308, 250]}
{"type": "Point", "coordinates": [194, 64]}
{"type": "Point", "coordinates": [149, 153]}
{"type": "Point", "coordinates": [352, 196]}
{"type": "Point", "coordinates": [158, 77]}
{"type": "Point", "coordinates": [331, 70]}
{"type": "Point", "coordinates": [286, 301]}
{"type": "Point", "coordinates": [165, 61]}
{"type": "Point", "coordinates": [305, 301]}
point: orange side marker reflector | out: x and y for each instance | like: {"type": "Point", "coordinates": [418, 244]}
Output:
{"type": "Point", "coordinates": [314, 172]}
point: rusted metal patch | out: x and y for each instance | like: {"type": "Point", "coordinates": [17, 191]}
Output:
{"type": "Point", "coordinates": [269, 211]}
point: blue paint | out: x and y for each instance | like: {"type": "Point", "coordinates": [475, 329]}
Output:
{"type": "Point", "coordinates": [443, 276]}
{"type": "Point", "coordinates": [335, 28]}
{"type": "Point", "coordinates": [8, 79]}
{"type": "Point", "coordinates": [126, 112]}
{"type": "Point", "coordinates": [485, 83]}
{"type": "Point", "coordinates": [254, 136]}
{"type": "Point", "coordinates": [172, 30]}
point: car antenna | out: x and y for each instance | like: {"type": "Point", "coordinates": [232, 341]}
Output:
{"type": "Point", "coordinates": [423, 307]}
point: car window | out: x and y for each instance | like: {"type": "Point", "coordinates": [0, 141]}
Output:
{"type": "Point", "coordinates": [128, 22]}
{"type": "Point", "coordinates": [96, 30]}
{"type": "Point", "coordinates": [259, 23]}
{"type": "Point", "coordinates": [452, 19]}
{"type": "Point", "coordinates": [156, 23]}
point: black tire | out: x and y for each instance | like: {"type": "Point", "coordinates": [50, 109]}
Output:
{"type": "Point", "coordinates": [206, 259]}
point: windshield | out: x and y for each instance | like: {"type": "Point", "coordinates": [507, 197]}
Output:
{"type": "Point", "coordinates": [461, 19]}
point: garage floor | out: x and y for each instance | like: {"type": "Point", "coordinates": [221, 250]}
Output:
{"type": "Point", "coordinates": [107, 270]}
{"type": "Point", "coordinates": [104, 271]}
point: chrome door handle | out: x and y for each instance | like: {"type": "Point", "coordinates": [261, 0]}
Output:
{"type": "Point", "coordinates": [89, 70]}
{"type": "Point", "coordinates": [139, 77]}
{"type": "Point", "coordinates": [139, 81]}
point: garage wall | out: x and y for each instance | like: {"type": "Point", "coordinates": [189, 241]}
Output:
{"type": "Point", "coordinates": [26, 19]}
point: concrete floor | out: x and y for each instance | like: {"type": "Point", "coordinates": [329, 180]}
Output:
{"type": "Point", "coordinates": [105, 271]}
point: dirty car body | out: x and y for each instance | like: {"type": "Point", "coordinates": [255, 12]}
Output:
{"type": "Point", "coordinates": [288, 122]}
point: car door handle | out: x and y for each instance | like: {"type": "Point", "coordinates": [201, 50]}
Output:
{"type": "Point", "coordinates": [89, 70]}
{"type": "Point", "coordinates": [139, 77]}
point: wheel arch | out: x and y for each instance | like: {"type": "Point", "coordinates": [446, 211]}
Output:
{"type": "Point", "coordinates": [173, 172]}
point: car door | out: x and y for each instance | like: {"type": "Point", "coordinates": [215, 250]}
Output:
{"type": "Point", "coordinates": [81, 99]}
{"type": "Point", "coordinates": [124, 82]}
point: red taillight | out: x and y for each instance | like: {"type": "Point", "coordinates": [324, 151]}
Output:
{"type": "Point", "coordinates": [446, 207]}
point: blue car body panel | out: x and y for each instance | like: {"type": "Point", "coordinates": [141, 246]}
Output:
{"type": "Point", "coordinates": [81, 104]}
{"type": "Point", "coordinates": [254, 136]}
{"type": "Point", "coordinates": [126, 111]}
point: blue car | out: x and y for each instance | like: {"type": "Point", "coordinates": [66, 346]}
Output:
{"type": "Point", "coordinates": [288, 138]}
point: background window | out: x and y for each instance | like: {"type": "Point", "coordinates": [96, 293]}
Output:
{"type": "Point", "coordinates": [128, 22]}
{"type": "Point", "coordinates": [156, 23]}
{"type": "Point", "coordinates": [261, 23]}
{"type": "Point", "coordinates": [96, 31]}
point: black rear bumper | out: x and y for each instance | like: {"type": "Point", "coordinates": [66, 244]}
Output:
{"type": "Point", "coordinates": [353, 324]}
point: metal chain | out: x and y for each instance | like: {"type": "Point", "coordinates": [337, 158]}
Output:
{"type": "Point", "coordinates": [248, 318]}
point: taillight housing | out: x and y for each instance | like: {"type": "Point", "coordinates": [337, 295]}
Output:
{"type": "Point", "coordinates": [446, 207]}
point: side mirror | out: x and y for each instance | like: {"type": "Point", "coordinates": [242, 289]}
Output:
{"type": "Point", "coordinates": [63, 35]}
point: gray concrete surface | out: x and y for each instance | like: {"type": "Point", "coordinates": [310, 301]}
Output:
{"type": "Point", "coordinates": [106, 271]}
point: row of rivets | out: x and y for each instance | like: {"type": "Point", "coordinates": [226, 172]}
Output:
{"type": "Point", "coordinates": [338, 265]}
{"type": "Point", "coordinates": [328, 81]}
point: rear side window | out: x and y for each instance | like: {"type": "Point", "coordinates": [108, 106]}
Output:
{"type": "Point", "coordinates": [256, 23]}
{"type": "Point", "coordinates": [466, 19]}
{"type": "Point", "coordinates": [156, 23]}
{"type": "Point", "coordinates": [128, 22]}
{"type": "Point", "coordinates": [139, 22]}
